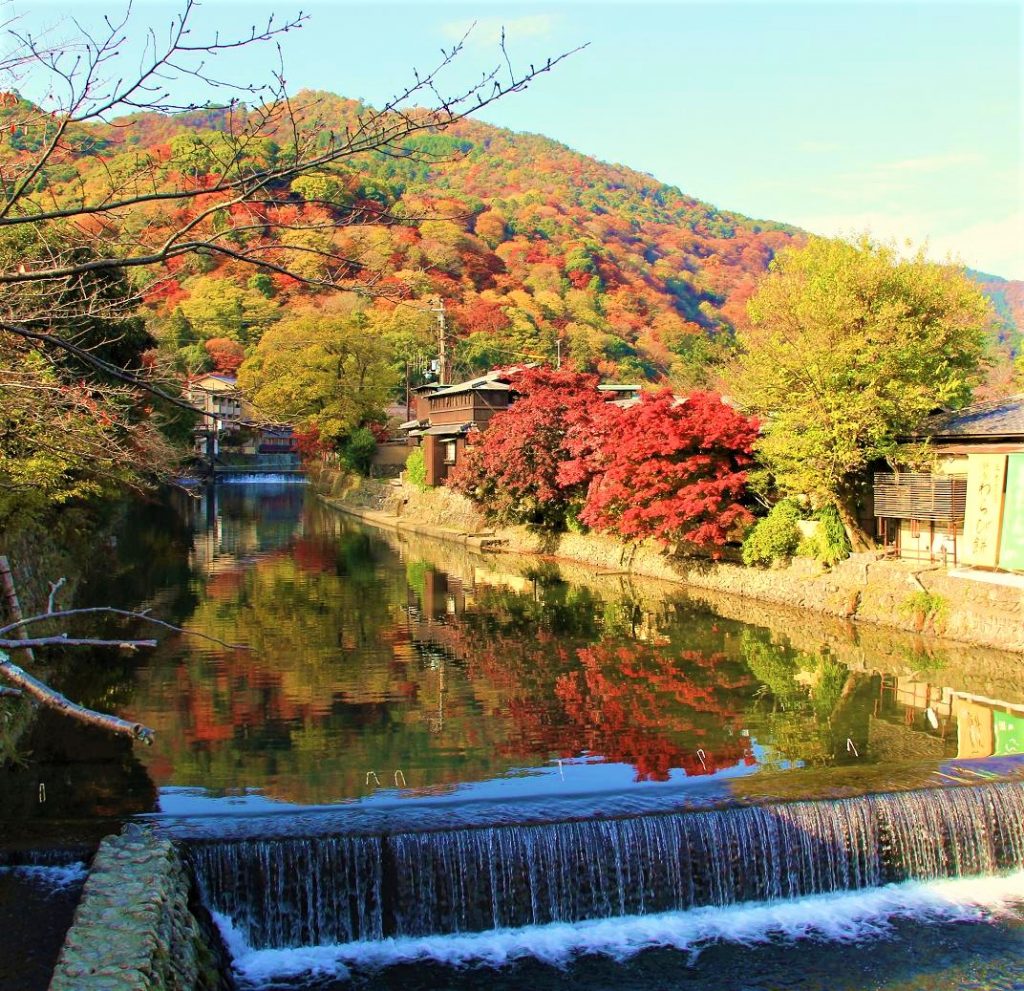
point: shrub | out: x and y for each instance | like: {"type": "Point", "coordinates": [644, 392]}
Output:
{"type": "Point", "coordinates": [922, 606]}
{"type": "Point", "coordinates": [357, 451]}
{"type": "Point", "coordinates": [416, 469]}
{"type": "Point", "coordinates": [573, 523]}
{"type": "Point", "coordinates": [830, 543]}
{"type": "Point", "coordinates": [776, 536]}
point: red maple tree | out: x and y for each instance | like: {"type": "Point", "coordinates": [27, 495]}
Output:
{"type": "Point", "coordinates": [225, 354]}
{"type": "Point", "coordinates": [666, 468]}
{"type": "Point", "coordinates": [513, 468]}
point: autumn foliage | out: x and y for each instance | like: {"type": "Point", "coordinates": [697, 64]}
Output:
{"type": "Point", "coordinates": [513, 469]}
{"type": "Point", "coordinates": [668, 468]}
{"type": "Point", "coordinates": [227, 355]}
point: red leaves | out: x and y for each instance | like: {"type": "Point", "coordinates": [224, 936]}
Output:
{"type": "Point", "coordinates": [225, 354]}
{"type": "Point", "coordinates": [513, 468]}
{"type": "Point", "coordinates": [309, 443]}
{"type": "Point", "coordinates": [665, 468]}
{"type": "Point", "coordinates": [671, 470]}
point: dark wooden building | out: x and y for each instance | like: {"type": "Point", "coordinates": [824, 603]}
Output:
{"type": "Point", "coordinates": [444, 416]}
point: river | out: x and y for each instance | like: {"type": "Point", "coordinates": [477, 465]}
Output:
{"type": "Point", "coordinates": [548, 739]}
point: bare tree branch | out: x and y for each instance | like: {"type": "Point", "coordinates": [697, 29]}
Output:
{"type": "Point", "coordinates": [143, 617]}
{"type": "Point", "coordinates": [45, 695]}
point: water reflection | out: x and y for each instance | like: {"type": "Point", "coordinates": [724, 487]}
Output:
{"type": "Point", "coordinates": [377, 662]}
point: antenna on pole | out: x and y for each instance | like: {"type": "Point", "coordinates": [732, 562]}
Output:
{"type": "Point", "coordinates": [444, 370]}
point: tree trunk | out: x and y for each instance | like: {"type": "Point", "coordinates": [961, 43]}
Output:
{"type": "Point", "coordinates": [860, 539]}
{"type": "Point", "coordinates": [11, 599]}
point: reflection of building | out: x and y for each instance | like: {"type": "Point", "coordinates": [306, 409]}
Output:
{"type": "Point", "coordinates": [970, 508]}
{"type": "Point", "coordinates": [985, 727]}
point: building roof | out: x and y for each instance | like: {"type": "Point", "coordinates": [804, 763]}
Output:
{"type": "Point", "coordinates": [618, 387]}
{"type": "Point", "coordinates": [491, 382]}
{"type": "Point", "coordinates": [217, 376]}
{"type": "Point", "coordinates": [448, 429]}
{"type": "Point", "coordinates": [486, 383]}
{"type": "Point", "coordinates": [984, 421]}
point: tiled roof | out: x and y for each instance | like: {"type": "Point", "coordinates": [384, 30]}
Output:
{"type": "Point", "coordinates": [993, 418]}
{"type": "Point", "coordinates": [448, 429]}
{"type": "Point", "coordinates": [492, 380]}
{"type": "Point", "coordinates": [486, 383]}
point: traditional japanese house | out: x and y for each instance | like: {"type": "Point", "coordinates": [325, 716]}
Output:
{"type": "Point", "coordinates": [445, 415]}
{"type": "Point", "coordinates": [969, 510]}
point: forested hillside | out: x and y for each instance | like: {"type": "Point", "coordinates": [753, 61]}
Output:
{"type": "Point", "coordinates": [525, 240]}
{"type": "Point", "coordinates": [532, 247]}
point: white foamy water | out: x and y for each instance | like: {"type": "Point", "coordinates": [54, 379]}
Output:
{"type": "Point", "coordinates": [849, 917]}
{"type": "Point", "coordinates": [48, 875]}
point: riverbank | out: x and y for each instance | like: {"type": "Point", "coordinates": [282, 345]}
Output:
{"type": "Point", "coordinates": [918, 598]}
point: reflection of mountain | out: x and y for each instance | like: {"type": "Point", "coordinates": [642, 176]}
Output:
{"type": "Point", "coordinates": [367, 660]}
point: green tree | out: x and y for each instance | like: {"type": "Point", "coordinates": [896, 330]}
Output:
{"type": "Point", "coordinates": [850, 348]}
{"type": "Point", "coordinates": [217, 307]}
{"type": "Point", "coordinates": [326, 368]}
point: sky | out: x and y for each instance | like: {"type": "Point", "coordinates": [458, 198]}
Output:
{"type": "Point", "coordinates": [899, 119]}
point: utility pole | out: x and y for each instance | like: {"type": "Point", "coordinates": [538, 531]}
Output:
{"type": "Point", "coordinates": [444, 371]}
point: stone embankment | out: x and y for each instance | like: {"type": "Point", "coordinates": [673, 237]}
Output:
{"type": "Point", "coordinates": [134, 928]}
{"type": "Point", "coordinates": [866, 588]}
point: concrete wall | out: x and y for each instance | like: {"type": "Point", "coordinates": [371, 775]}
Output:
{"type": "Point", "coordinates": [134, 929]}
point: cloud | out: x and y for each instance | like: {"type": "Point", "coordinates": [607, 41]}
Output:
{"type": "Point", "coordinates": [994, 246]}
{"type": "Point", "coordinates": [932, 163]}
{"type": "Point", "coordinates": [487, 30]}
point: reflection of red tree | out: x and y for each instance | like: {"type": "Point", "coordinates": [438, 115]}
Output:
{"type": "Point", "coordinates": [241, 695]}
{"type": "Point", "coordinates": [651, 706]}
{"type": "Point", "coordinates": [654, 707]}
{"type": "Point", "coordinates": [314, 555]}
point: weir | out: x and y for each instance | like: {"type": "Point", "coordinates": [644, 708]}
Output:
{"type": "Point", "coordinates": [268, 476]}
{"type": "Point", "coordinates": [302, 891]}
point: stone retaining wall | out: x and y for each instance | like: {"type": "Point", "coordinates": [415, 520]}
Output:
{"type": "Point", "coordinates": [135, 928]}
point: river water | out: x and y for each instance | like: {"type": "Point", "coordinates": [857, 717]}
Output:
{"type": "Point", "coordinates": [349, 682]}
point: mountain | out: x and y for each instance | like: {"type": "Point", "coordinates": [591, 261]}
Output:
{"type": "Point", "coordinates": [527, 242]}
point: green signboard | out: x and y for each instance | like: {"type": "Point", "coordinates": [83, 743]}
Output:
{"type": "Point", "coordinates": [1009, 732]}
{"type": "Point", "coordinates": [1011, 547]}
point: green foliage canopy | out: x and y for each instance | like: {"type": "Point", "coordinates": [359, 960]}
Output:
{"type": "Point", "coordinates": [850, 348]}
{"type": "Point", "coordinates": [320, 367]}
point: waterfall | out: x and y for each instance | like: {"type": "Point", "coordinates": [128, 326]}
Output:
{"type": "Point", "coordinates": [261, 478]}
{"type": "Point", "coordinates": [335, 889]}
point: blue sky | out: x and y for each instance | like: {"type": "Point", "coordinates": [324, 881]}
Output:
{"type": "Point", "coordinates": [902, 119]}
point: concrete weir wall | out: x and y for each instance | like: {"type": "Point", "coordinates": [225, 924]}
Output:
{"type": "Point", "coordinates": [134, 929]}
